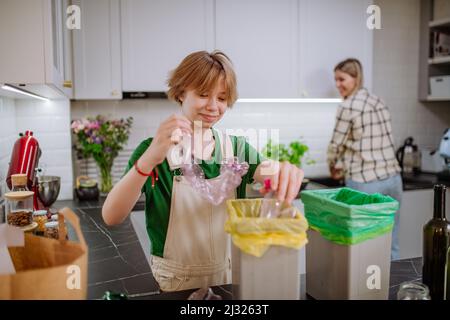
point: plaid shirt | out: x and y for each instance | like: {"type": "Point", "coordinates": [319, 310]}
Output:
{"type": "Point", "coordinates": [362, 139]}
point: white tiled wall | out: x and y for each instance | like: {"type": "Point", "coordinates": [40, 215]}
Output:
{"type": "Point", "coordinates": [313, 123]}
{"type": "Point", "coordinates": [8, 135]}
{"type": "Point", "coordinates": [50, 123]}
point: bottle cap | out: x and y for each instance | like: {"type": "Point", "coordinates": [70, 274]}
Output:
{"type": "Point", "coordinates": [267, 184]}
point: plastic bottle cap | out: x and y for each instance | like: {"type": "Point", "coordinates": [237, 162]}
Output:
{"type": "Point", "coordinates": [267, 184]}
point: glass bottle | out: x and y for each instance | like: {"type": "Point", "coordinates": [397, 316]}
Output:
{"type": "Point", "coordinates": [412, 290]}
{"type": "Point", "coordinates": [447, 276]}
{"type": "Point", "coordinates": [436, 237]}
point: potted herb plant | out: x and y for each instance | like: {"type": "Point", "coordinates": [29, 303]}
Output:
{"type": "Point", "coordinates": [295, 153]}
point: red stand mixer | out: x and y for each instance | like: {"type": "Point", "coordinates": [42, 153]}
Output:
{"type": "Point", "coordinates": [24, 160]}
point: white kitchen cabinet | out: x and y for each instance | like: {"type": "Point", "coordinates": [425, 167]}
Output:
{"type": "Point", "coordinates": [416, 210]}
{"type": "Point", "coordinates": [96, 46]}
{"type": "Point", "coordinates": [33, 55]}
{"type": "Point", "coordinates": [331, 31]}
{"type": "Point", "coordinates": [261, 38]}
{"type": "Point", "coordinates": [157, 35]}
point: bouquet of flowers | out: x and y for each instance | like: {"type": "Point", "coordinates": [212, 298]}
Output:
{"type": "Point", "coordinates": [102, 139]}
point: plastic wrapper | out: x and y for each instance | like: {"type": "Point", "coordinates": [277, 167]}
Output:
{"type": "Point", "coordinates": [254, 234]}
{"type": "Point", "coordinates": [346, 216]}
{"type": "Point", "coordinates": [217, 190]}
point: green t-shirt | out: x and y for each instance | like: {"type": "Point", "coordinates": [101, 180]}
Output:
{"type": "Point", "coordinates": [158, 198]}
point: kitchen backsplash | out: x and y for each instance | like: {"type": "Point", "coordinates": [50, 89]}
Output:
{"type": "Point", "coordinates": [50, 123]}
{"type": "Point", "coordinates": [8, 135]}
{"type": "Point", "coordinates": [312, 123]}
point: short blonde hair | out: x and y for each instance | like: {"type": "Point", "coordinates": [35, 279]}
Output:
{"type": "Point", "coordinates": [201, 71]}
{"type": "Point", "coordinates": [354, 68]}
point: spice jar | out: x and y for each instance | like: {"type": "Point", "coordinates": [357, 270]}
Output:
{"type": "Point", "coordinates": [51, 230]}
{"type": "Point", "coordinates": [19, 208]}
{"type": "Point", "coordinates": [40, 217]}
{"type": "Point", "coordinates": [54, 218]}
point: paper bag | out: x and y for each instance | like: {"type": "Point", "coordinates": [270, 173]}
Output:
{"type": "Point", "coordinates": [49, 268]}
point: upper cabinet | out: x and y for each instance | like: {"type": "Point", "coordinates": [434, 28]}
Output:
{"type": "Point", "coordinates": [280, 49]}
{"type": "Point", "coordinates": [35, 49]}
{"type": "Point", "coordinates": [157, 35]}
{"type": "Point", "coordinates": [331, 31]}
{"type": "Point", "coordinates": [96, 59]}
{"type": "Point", "coordinates": [261, 38]}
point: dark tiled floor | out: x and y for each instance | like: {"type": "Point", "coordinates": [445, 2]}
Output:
{"type": "Point", "coordinates": [117, 262]}
{"type": "Point", "coordinates": [404, 270]}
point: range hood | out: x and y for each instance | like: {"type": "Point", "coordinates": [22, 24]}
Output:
{"type": "Point", "coordinates": [131, 95]}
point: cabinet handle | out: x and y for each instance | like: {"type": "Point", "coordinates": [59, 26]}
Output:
{"type": "Point", "coordinates": [67, 84]}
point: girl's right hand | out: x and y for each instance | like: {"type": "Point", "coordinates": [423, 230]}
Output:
{"type": "Point", "coordinates": [166, 136]}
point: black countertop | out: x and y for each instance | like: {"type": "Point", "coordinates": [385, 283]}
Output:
{"type": "Point", "coordinates": [411, 181]}
{"type": "Point", "coordinates": [117, 262]}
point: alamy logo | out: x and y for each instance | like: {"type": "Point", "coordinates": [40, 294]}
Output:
{"type": "Point", "coordinates": [73, 20]}
{"type": "Point", "coordinates": [74, 277]}
{"type": "Point", "coordinates": [374, 20]}
{"type": "Point", "coordinates": [374, 280]}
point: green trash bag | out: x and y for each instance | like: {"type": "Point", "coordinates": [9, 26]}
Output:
{"type": "Point", "coordinates": [346, 216]}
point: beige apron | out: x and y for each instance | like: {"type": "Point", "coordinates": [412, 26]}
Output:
{"type": "Point", "coordinates": [197, 248]}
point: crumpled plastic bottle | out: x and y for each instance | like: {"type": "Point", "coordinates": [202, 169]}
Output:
{"type": "Point", "coordinates": [270, 206]}
{"type": "Point", "coordinates": [217, 190]}
{"type": "Point", "coordinates": [204, 294]}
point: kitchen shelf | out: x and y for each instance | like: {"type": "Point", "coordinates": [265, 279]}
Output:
{"type": "Point", "coordinates": [439, 60]}
{"type": "Point", "coordinates": [430, 98]}
{"type": "Point", "coordinates": [436, 66]}
{"type": "Point", "coordinates": [441, 23]}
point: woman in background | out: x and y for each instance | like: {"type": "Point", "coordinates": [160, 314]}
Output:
{"type": "Point", "coordinates": [362, 147]}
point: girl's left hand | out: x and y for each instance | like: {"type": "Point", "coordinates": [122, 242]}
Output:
{"type": "Point", "coordinates": [287, 181]}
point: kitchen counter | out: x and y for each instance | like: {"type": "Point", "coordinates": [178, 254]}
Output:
{"type": "Point", "coordinates": [411, 181]}
{"type": "Point", "coordinates": [117, 262]}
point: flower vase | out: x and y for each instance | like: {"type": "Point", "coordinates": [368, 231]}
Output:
{"type": "Point", "coordinates": [105, 180]}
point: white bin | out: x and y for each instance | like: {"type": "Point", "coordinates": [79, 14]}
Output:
{"type": "Point", "coordinates": [348, 272]}
{"type": "Point", "coordinates": [274, 276]}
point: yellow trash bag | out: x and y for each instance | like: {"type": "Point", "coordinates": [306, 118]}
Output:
{"type": "Point", "coordinates": [254, 235]}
